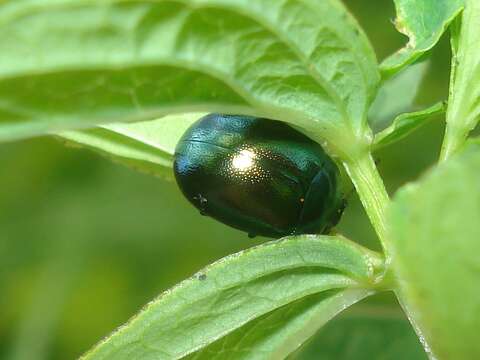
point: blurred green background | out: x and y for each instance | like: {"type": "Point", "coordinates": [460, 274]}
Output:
{"type": "Point", "coordinates": [85, 243]}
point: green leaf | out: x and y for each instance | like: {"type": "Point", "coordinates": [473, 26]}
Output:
{"type": "Point", "coordinates": [424, 22]}
{"type": "Point", "coordinates": [146, 146]}
{"type": "Point", "coordinates": [405, 124]}
{"type": "Point", "coordinates": [365, 332]}
{"type": "Point", "coordinates": [435, 233]}
{"type": "Point", "coordinates": [464, 101]}
{"type": "Point", "coordinates": [396, 96]}
{"type": "Point", "coordinates": [313, 276]}
{"type": "Point", "coordinates": [81, 63]}
{"type": "Point", "coordinates": [279, 332]}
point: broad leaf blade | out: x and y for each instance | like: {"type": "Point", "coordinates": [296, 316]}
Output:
{"type": "Point", "coordinates": [84, 63]}
{"type": "Point", "coordinates": [405, 124]}
{"type": "Point", "coordinates": [146, 146]}
{"type": "Point", "coordinates": [236, 290]}
{"type": "Point", "coordinates": [282, 331]}
{"type": "Point", "coordinates": [435, 232]}
{"type": "Point", "coordinates": [424, 22]}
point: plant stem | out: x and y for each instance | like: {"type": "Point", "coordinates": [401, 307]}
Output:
{"type": "Point", "coordinates": [369, 185]}
{"type": "Point", "coordinates": [454, 138]}
{"type": "Point", "coordinates": [375, 200]}
{"type": "Point", "coordinates": [464, 98]}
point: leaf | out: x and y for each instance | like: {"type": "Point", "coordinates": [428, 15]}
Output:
{"type": "Point", "coordinates": [435, 233]}
{"type": "Point", "coordinates": [405, 124]}
{"type": "Point", "coordinates": [84, 63]}
{"type": "Point", "coordinates": [365, 332]}
{"type": "Point", "coordinates": [396, 96]}
{"type": "Point", "coordinates": [241, 288]}
{"type": "Point", "coordinates": [276, 334]}
{"type": "Point", "coordinates": [146, 146]}
{"type": "Point", "coordinates": [423, 22]}
{"type": "Point", "coordinates": [464, 101]}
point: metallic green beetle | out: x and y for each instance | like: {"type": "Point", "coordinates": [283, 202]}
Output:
{"type": "Point", "coordinates": [258, 175]}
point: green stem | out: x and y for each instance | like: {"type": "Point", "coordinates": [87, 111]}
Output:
{"type": "Point", "coordinates": [464, 98]}
{"type": "Point", "coordinates": [454, 138]}
{"type": "Point", "coordinates": [373, 195]}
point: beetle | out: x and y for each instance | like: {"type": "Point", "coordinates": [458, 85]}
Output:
{"type": "Point", "coordinates": [258, 175]}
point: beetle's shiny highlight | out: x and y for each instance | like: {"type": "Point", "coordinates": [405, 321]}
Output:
{"type": "Point", "coordinates": [258, 175]}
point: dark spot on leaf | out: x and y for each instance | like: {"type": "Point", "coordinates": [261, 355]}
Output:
{"type": "Point", "coordinates": [202, 277]}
